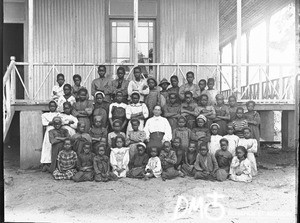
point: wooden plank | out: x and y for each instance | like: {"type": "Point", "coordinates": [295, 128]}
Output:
{"type": "Point", "coordinates": [31, 138]}
{"type": "Point", "coordinates": [135, 30]}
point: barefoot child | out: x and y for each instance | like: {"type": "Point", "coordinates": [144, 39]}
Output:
{"type": "Point", "coordinates": [239, 123]}
{"type": "Point", "coordinates": [79, 138]}
{"type": "Point", "coordinates": [240, 169]}
{"type": "Point", "coordinates": [182, 132]}
{"type": "Point", "coordinates": [101, 166]}
{"type": "Point", "coordinates": [85, 164]}
{"type": "Point", "coordinates": [223, 157]}
{"type": "Point", "coordinates": [206, 166]}
{"type": "Point", "coordinates": [47, 123]}
{"type": "Point", "coordinates": [58, 90]}
{"type": "Point", "coordinates": [153, 167]}
{"type": "Point", "coordinates": [168, 160]}
{"type": "Point", "coordinates": [233, 140]}
{"type": "Point", "coordinates": [214, 143]}
{"type": "Point", "coordinates": [66, 162]}
{"type": "Point", "coordinates": [190, 158]}
{"type": "Point", "coordinates": [97, 132]}
{"type": "Point", "coordinates": [251, 146]}
{"type": "Point", "coordinates": [67, 97]}
{"type": "Point", "coordinates": [138, 163]}
{"type": "Point", "coordinates": [57, 137]}
{"type": "Point", "coordinates": [119, 157]}
{"type": "Point", "coordinates": [179, 151]}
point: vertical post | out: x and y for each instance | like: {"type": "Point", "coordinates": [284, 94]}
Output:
{"type": "Point", "coordinates": [260, 85]}
{"type": "Point", "coordinates": [247, 56]}
{"type": "Point", "coordinates": [233, 73]}
{"type": "Point", "coordinates": [30, 47]}
{"type": "Point", "coordinates": [13, 81]}
{"type": "Point", "coordinates": [135, 30]}
{"type": "Point", "coordinates": [267, 44]}
{"type": "Point", "coordinates": [220, 68]}
{"type": "Point", "coordinates": [238, 48]}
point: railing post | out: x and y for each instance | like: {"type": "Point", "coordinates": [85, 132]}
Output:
{"type": "Point", "coordinates": [30, 48]}
{"type": "Point", "coordinates": [260, 88]}
{"type": "Point", "coordinates": [13, 81]}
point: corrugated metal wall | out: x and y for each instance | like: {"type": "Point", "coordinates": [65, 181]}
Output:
{"type": "Point", "coordinates": [69, 31]}
{"type": "Point", "coordinates": [189, 33]}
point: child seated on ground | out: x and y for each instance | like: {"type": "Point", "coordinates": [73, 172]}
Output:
{"type": "Point", "coordinates": [134, 137]}
{"type": "Point", "coordinates": [47, 123]}
{"type": "Point", "coordinates": [67, 97]}
{"type": "Point", "coordinates": [138, 163]}
{"type": "Point", "coordinates": [101, 166]}
{"type": "Point", "coordinates": [79, 138]}
{"type": "Point", "coordinates": [233, 140]}
{"type": "Point", "coordinates": [188, 110]}
{"type": "Point", "coordinates": [182, 132]}
{"type": "Point", "coordinates": [223, 157]}
{"type": "Point", "coordinates": [111, 137]}
{"type": "Point", "coordinates": [119, 157]}
{"type": "Point", "coordinates": [251, 146]}
{"type": "Point", "coordinates": [66, 162]}
{"type": "Point", "coordinates": [57, 137]}
{"type": "Point", "coordinates": [58, 90]}
{"type": "Point", "coordinates": [97, 132]}
{"type": "Point", "coordinates": [85, 164]}
{"type": "Point", "coordinates": [214, 143]}
{"type": "Point", "coordinates": [201, 133]}
{"type": "Point", "coordinates": [69, 121]}
{"type": "Point", "coordinates": [168, 160]}
{"type": "Point", "coordinates": [153, 167]}
{"type": "Point", "coordinates": [239, 123]}
{"type": "Point", "coordinates": [177, 148]}
{"type": "Point", "coordinates": [206, 166]}
{"type": "Point", "coordinates": [77, 86]}
{"type": "Point", "coordinates": [240, 168]}
{"type": "Point", "coordinates": [190, 158]}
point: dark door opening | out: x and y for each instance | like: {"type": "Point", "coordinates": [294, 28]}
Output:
{"type": "Point", "coordinates": [13, 45]}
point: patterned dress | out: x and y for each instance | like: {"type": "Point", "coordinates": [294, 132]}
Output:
{"type": "Point", "coordinates": [67, 162]}
{"type": "Point", "coordinates": [239, 125]}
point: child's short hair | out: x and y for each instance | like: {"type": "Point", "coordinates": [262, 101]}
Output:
{"type": "Point", "coordinates": [152, 148]}
{"type": "Point", "coordinates": [117, 121]}
{"type": "Point", "coordinates": [102, 66]}
{"type": "Point", "coordinates": [203, 144]}
{"type": "Point", "coordinates": [68, 86]}
{"type": "Point", "coordinates": [193, 142]}
{"type": "Point", "coordinates": [190, 72]}
{"type": "Point", "coordinates": [240, 108]}
{"type": "Point", "coordinates": [96, 117]}
{"type": "Point", "coordinates": [67, 139]}
{"type": "Point", "coordinates": [247, 128]}
{"type": "Point", "coordinates": [121, 69]}
{"type": "Point", "coordinates": [188, 93]}
{"type": "Point", "coordinates": [203, 95]}
{"type": "Point", "coordinates": [60, 75]}
{"type": "Point", "coordinates": [52, 102]}
{"type": "Point", "coordinates": [202, 80]}
{"type": "Point", "coordinates": [83, 90]}
{"type": "Point", "coordinates": [119, 136]}
{"type": "Point", "coordinates": [174, 77]}
{"type": "Point", "coordinates": [250, 102]}
{"type": "Point", "coordinates": [80, 123]}
{"type": "Point", "coordinates": [177, 138]}
{"type": "Point", "coordinates": [101, 145]}
{"type": "Point", "coordinates": [67, 103]}
{"type": "Point", "coordinates": [76, 76]}
{"type": "Point", "coordinates": [232, 96]}
{"type": "Point", "coordinates": [119, 92]}
{"type": "Point", "coordinates": [137, 68]}
{"type": "Point", "coordinates": [181, 118]}
{"type": "Point", "coordinates": [224, 140]}
{"type": "Point", "coordinates": [210, 80]}
{"type": "Point", "coordinates": [135, 120]}
{"type": "Point", "coordinates": [243, 149]}
{"type": "Point", "coordinates": [86, 143]}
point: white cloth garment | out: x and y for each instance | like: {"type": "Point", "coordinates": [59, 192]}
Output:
{"type": "Point", "coordinates": [154, 164]}
{"type": "Point", "coordinates": [65, 121]}
{"type": "Point", "coordinates": [138, 86]}
{"type": "Point", "coordinates": [214, 143]}
{"type": "Point", "coordinates": [119, 158]}
{"type": "Point", "coordinates": [135, 109]}
{"type": "Point", "coordinates": [158, 124]}
{"type": "Point", "coordinates": [233, 141]}
{"type": "Point", "coordinates": [251, 146]}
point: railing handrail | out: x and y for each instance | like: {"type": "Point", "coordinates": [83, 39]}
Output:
{"type": "Point", "coordinates": [9, 69]}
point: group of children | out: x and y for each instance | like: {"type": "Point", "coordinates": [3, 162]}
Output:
{"type": "Point", "coordinates": [107, 138]}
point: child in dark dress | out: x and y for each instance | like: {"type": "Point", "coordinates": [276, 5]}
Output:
{"type": "Point", "coordinates": [175, 88]}
{"type": "Point", "coordinates": [138, 163]}
{"type": "Point", "coordinates": [223, 157]}
{"type": "Point", "coordinates": [188, 110]}
{"type": "Point", "coordinates": [97, 132]}
{"type": "Point", "coordinates": [201, 133]}
{"type": "Point", "coordinates": [182, 132]}
{"type": "Point", "coordinates": [177, 148]}
{"type": "Point", "coordinates": [77, 86]}
{"type": "Point", "coordinates": [239, 123]}
{"type": "Point", "coordinates": [85, 165]}
{"type": "Point", "coordinates": [190, 158]}
{"type": "Point", "coordinates": [79, 138]}
{"type": "Point", "coordinates": [102, 166]}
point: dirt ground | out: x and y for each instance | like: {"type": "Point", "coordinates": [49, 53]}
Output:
{"type": "Point", "coordinates": [271, 197]}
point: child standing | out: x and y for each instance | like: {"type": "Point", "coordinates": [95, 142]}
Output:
{"type": "Point", "coordinates": [182, 132]}
{"type": "Point", "coordinates": [47, 123]}
{"type": "Point", "coordinates": [77, 86]}
{"type": "Point", "coordinates": [251, 146]}
{"type": "Point", "coordinates": [57, 137]}
{"type": "Point", "coordinates": [172, 110]}
{"type": "Point", "coordinates": [211, 92]}
{"type": "Point", "coordinates": [239, 123]}
{"type": "Point", "coordinates": [164, 84]}
{"type": "Point", "coordinates": [223, 157]}
{"type": "Point", "coordinates": [79, 138]}
{"type": "Point", "coordinates": [153, 167]}
{"type": "Point", "coordinates": [179, 151]}
{"type": "Point", "coordinates": [232, 107]}
{"type": "Point", "coordinates": [168, 160]}
{"type": "Point", "coordinates": [214, 143]}
{"type": "Point", "coordinates": [240, 169]}
{"type": "Point", "coordinates": [135, 137]}
{"type": "Point", "coordinates": [188, 110]}
{"type": "Point", "coordinates": [189, 86]}
{"type": "Point", "coordinates": [233, 140]}
{"type": "Point", "coordinates": [117, 110]}
{"type": "Point", "coordinates": [66, 162]}
{"type": "Point", "coordinates": [138, 163]}
{"type": "Point", "coordinates": [69, 121]}
{"type": "Point", "coordinates": [119, 157]}
{"type": "Point", "coordinates": [67, 97]}
{"type": "Point", "coordinates": [58, 90]}
{"type": "Point", "coordinates": [253, 119]}
{"type": "Point", "coordinates": [206, 166]}
{"type": "Point", "coordinates": [85, 164]}
{"type": "Point", "coordinates": [101, 107]}
{"type": "Point", "coordinates": [83, 108]}
{"type": "Point", "coordinates": [101, 166]}
{"type": "Point", "coordinates": [136, 110]}
{"type": "Point", "coordinates": [112, 136]}
{"type": "Point", "coordinates": [201, 133]}
{"type": "Point", "coordinates": [190, 158]}
{"type": "Point", "coordinates": [97, 132]}
{"type": "Point", "coordinates": [207, 110]}
{"type": "Point", "coordinates": [154, 97]}
{"type": "Point", "coordinates": [202, 86]}
{"type": "Point", "coordinates": [222, 114]}
{"type": "Point", "coordinates": [174, 83]}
